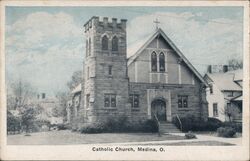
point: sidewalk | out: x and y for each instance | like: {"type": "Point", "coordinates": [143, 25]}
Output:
{"type": "Point", "coordinates": [201, 138]}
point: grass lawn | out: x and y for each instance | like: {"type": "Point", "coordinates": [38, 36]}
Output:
{"type": "Point", "coordinates": [214, 133]}
{"type": "Point", "coordinates": [195, 143]}
{"type": "Point", "coordinates": [66, 137]}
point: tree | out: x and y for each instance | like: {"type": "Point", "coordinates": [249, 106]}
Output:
{"type": "Point", "coordinates": [28, 115]}
{"type": "Point", "coordinates": [76, 79]}
{"type": "Point", "coordinates": [13, 122]}
{"type": "Point", "coordinates": [60, 109]}
{"type": "Point", "coordinates": [19, 93]}
{"type": "Point", "coordinates": [235, 64]}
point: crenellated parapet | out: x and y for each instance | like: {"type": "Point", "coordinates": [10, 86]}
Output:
{"type": "Point", "coordinates": [106, 23]}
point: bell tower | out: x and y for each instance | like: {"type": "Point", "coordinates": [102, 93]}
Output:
{"type": "Point", "coordinates": [105, 79]}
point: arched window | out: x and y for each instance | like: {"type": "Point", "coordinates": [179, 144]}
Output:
{"type": "Point", "coordinates": [115, 44]}
{"type": "Point", "coordinates": [89, 46]}
{"type": "Point", "coordinates": [154, 62]}
{"type": "Point", "coordinates": [105, 42]}
{"type": "Point", "coordinates": [162, 62]}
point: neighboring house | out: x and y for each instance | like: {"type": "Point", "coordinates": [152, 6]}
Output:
{"type": "Point", "coordinates": [157, 80]}
{"type": "Point", "coordinates": [47, 104]}
{"type": "Point", "coordinates": [225, 95]}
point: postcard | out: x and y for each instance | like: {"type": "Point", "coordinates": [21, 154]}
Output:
{"type": "Point", "coordinates": [124, 80]}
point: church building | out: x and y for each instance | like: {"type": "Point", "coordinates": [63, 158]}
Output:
{"type": "Point", "coordinates": [156, 81]}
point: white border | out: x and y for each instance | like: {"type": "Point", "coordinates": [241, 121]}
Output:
{"type": "Point", "coordinates": [84, 152]}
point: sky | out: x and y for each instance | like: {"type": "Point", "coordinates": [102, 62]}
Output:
{"type": "Point", "coordinates": [45, 45]}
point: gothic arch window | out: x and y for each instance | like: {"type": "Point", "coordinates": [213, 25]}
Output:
{"type": "Point", "coordinates": [89, 46]}
{"type": "Point", "coordinates": [154, 62]}
{"type": "Point", "coordinates": [162, 62]}
{"type": "Point", "coordinates": [115, 44]}
{"type": "Point", "coordinates": [105, 42]}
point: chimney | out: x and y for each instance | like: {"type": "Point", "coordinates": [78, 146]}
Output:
{"type": "Point", "coordinates": [225, 68]}
{"type": "Point", "coordinates": [43, 95]}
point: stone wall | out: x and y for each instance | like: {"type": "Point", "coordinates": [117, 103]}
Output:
{"type": "Point", "coordinates": [169, 92]}
{"type": "Point", "coordinates": [98, 80]}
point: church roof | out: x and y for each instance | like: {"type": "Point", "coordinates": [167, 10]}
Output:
{"type": "Point", "coordinates": [77, 89]}
{"type": "Point", "coordinates": [179, 53]}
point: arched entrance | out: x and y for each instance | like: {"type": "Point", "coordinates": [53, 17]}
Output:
{"type": "Point", "coordinates": [158, 108]}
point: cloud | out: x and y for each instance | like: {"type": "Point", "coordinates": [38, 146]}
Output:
{"type": "Point", "coordinates": [202, 42]}
{"type": "Point", "coordinates": [44, 49]}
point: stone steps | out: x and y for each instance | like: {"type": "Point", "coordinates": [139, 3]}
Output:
{"type": "Point", "coordinates": [168, 127]}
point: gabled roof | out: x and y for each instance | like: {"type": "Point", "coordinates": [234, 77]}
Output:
{"type": "Point", "coordinates": [224, 81]}
{"type": "Point", "coordinates": [77, 89]}
{"type": "Point", "coordinates": [179, 53]}
{"type": "Point", "coordinates": [237, 98]}
{"type": "Point", "coordinates": [238, 74]}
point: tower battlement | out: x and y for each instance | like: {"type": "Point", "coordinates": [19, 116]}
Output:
{"type": "Point", "coordinates": [105, 22]}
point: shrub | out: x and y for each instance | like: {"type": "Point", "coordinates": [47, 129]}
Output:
{"type": "Point", "coordinates": [119, 125]}
{"type": "Point", "coordinates": [190, 123]}
{"type": "Point", "coordinates": [61, 127]}
{"type": "Point", "coordinates": [227, 132]}
{"type": "Point", "coordinates": [150, 126]}
{"type": "Point", "coordinates": [213, 124]}
{"type": "Point", "coordinates": [190, 135]}
{"type": "Point", "coordinates": [13, 123]}
{"type": "Point", "coordinates": [92, 128]}
{"type": "Point", "coordinates": [234, 125]}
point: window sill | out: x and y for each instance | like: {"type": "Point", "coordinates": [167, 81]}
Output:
{"type": "Point", "coordinates": [183, 109]}
{"type": "Point", "coordinates": [109, 108]}
{"type": "Point", "coordinates": [165, 72]}
{"type": "Point", "coordinates": [110, 76]}
{"type": "Point", "coordinates": [115, 52]}
{"type": "Point", "coordinates": [135, 109]}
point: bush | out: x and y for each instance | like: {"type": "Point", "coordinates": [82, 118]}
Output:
{"type": "Point", "coordinates": [227, 132]}
{"type": "Point", "coordinates": [213, 124]}
{"type": "Point", "coordinates": [92, 128]}
{"type": "Point", "coordinates": [150, 126]}
{"type": "Point", "coordinates": [13, 123]}
{"type": "Point", "coordinates": [120, 124]}
{"type": "Point", "coordinates": [190, 123]}
{"type": "Point", "coordinates": [190, 135]}
{"type": "Point", "coordinates": [61, 126]}
{"type": "Point", "coordinates": [236, 126]}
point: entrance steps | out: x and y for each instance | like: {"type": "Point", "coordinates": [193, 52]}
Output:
{"type": "Point", "coordinates": [168, 127]}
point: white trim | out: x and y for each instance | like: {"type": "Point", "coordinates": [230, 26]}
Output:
{"type": "Point", "coordinates": [192, 79]}
{"type": "Point", "coordinates": [157, 42]}
{"type": "Point", "coordinates": [179, 73]}
{"type": "Point", "coordinates": [166, 77]}
{"type": "Point", "coordinates": [136, 71]}
{"type": "Point", "coordinates": [150, 67]}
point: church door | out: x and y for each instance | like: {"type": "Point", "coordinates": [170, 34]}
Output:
{"type": "Point", "coordinates": [158, 108]}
